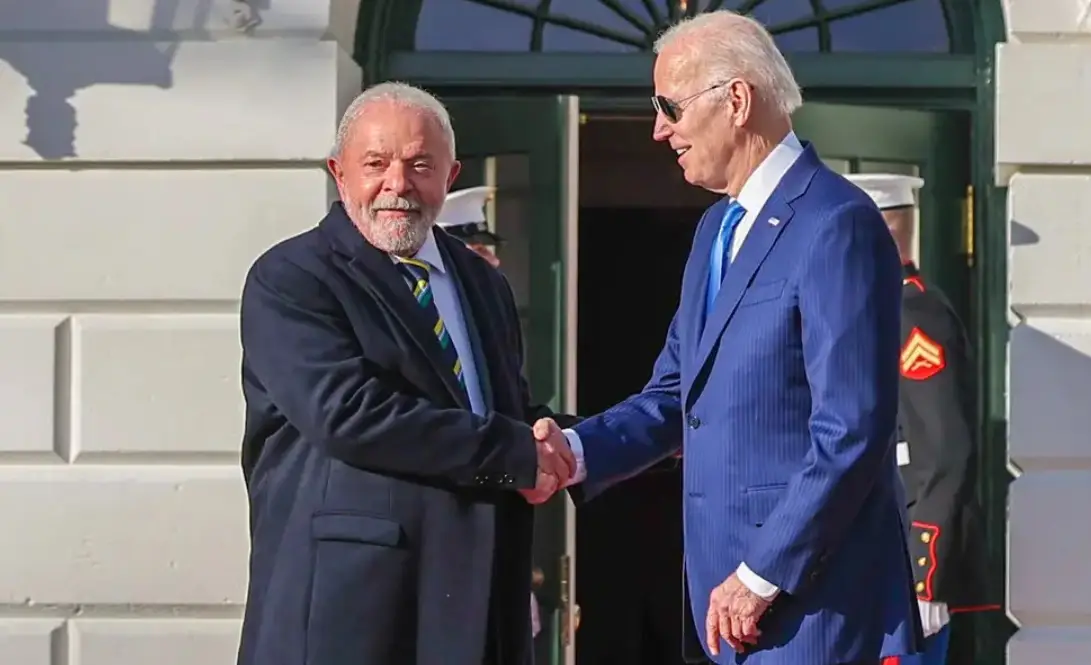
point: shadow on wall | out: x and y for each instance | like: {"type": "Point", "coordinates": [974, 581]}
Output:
{"type": "Point", "coordinates": [1049, 417]}
{"type": "Point", "coordinates": [131, 57]}
{"type": "Point", "coordinates": [1023, 235]}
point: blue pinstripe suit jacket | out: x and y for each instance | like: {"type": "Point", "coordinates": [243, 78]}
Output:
{"type": "Point", "coordinates": [784, 401]}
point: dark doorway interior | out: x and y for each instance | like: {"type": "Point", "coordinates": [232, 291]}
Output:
{"type": "Point", "coordinates": [629, 540]}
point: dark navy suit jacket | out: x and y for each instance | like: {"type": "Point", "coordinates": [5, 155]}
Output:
{"type": "Point", "coordinates": [384, 523]}
{"type": "Point", "coordinates": [785, 402]}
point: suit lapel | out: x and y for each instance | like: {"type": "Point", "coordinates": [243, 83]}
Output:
{"type": "Point", "coordinates": [769, 224]}
{"type": "Point", "coordinates": [375, 272]}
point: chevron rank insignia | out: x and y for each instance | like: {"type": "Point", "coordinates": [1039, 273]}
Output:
{"type": "Point", "coordinates": [922, 358]}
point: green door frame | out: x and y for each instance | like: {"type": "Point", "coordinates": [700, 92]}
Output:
{"type": "Point", "coordinates": [963, 80]}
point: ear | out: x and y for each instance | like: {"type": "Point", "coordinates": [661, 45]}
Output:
{"type": "Point", "coordinates": [456, 168]}
{"type": "Point", "coordinates": [740, 96]}
{"type": "Point", "coordinates": [334, 167]}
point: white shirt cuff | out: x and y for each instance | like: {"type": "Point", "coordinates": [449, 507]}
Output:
{"type": "Point", "coordinates": [752, 581]}
{"type": "Point", "coordinates": [576, 445]}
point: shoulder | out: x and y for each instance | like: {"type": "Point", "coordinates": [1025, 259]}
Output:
{"type": "Point", "coordinates": [929, 310]}
{"type": "Point", "coordinates": [293, 266]}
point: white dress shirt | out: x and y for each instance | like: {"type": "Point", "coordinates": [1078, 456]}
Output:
{"type": "Point", "coordinates": [754, 194]}
{"type": "Point", "coordinates": [445, 295]}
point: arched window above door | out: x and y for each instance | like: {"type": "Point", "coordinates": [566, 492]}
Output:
{"type": "Point", "coordinates": [627, 26]}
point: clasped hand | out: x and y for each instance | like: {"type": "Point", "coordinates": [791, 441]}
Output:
{"type": "Point", "coordinates": [556, 463]}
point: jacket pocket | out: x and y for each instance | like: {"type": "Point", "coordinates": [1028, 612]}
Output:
{"type": "Point", "coordinates": [763, 500]}
{"type": "Point", "coordinates": [357, 528]}
{"type": "Point", "coordinates": [758, 293]}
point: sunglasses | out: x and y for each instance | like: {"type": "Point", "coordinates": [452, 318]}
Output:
{"type": "Point", "coordinates": [672, 109]}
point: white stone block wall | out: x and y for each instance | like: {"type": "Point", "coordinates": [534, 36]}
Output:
{"type": "Point", "coordinates": [148, 153]}
{"type": "Point", "coordinates": [1043, 153]}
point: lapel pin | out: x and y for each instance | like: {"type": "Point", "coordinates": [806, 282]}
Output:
{"type": "Point", "coordinates": [773, 221]}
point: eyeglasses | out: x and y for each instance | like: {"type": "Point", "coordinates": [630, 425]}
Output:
{"type": "Point", "coordinates": [673, 109]}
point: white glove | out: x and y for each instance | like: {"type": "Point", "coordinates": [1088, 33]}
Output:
{"type": "Point", "coordinates": [934, 617]}
{"type": "Point", "coordinates": [535, 617]}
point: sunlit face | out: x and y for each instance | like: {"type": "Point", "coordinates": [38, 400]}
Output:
{"type": "Point", "coordinates": [486, 252]}
{"type": "Point", "coordinates": [707, 132]}
{"type": "Point", "coordinates": [393, 172]}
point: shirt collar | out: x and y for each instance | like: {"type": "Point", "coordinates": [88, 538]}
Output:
{"type": "Point", "coordinates": [429, 252]}
{"type": "Point", "coordinates": [764, 180]}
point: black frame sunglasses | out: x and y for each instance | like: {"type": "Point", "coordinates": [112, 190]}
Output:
{"type": "Point", "coordinates": [672, 109]}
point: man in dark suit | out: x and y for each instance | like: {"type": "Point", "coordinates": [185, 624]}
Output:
{"type": "Point", "coordinates": [779, 376]}
{"type": "Point", "coordinates": [387, 421]}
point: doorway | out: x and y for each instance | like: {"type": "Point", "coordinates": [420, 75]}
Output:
{"type": "Point", "coordinates": [637, 219]}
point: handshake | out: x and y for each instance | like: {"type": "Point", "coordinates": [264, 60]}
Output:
{"type": "Point", "coordinates": [556, 463]}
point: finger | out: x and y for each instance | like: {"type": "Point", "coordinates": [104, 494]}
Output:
{"type": "Point", "coordinates": [749, 631]}
{"type": "Point", "coordinates": [727, 630]}
{"type": "Point", "coordinates": [712, 629]}
{"type": "Point", "coordinates": [544, 428]}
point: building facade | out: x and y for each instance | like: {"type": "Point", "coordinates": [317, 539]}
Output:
{"type": "Point", "coordinates": [150, 150]}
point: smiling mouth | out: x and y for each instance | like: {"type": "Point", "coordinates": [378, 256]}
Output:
{"type": "Point", "coordinates": [681, 151]}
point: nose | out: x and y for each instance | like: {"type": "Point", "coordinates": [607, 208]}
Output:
{"type": "Point", "coordinates": [661, 131]}
{"type": "Point", "coordinates": [395, 180]}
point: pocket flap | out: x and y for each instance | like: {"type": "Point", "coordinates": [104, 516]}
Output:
{"type": "Point", "coordinates": [762, 292]}
{"type": "Point", "coordinates": [356, 528]}
{"type": "Point", "coordinates": [760, 501]}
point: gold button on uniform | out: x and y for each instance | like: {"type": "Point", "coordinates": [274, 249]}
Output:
{"type": "Point", "coordinates": [926, 537]}
{"type": "Point", "coordinates": [920, 587]}
{"type": "Point", "coordinates": [922, 562]}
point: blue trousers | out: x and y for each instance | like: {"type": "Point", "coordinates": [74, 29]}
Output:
{"type": "Point", "coordinates": [935, 650]}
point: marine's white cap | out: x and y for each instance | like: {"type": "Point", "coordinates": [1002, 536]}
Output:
{"type": "Point", "coordinates": [888, 190]}
{"type": "Point", "coordinates": [463, 215]}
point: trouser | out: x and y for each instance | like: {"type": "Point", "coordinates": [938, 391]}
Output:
{"type": "Point", "coordinates": [935, 651]}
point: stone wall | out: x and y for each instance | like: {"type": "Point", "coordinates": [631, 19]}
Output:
{"type": "Point", "coordinates": [149, 150]}
{"type": "Point", "coordinates": [1043, 153]}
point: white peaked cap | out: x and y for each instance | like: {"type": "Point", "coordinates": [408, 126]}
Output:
{"type": "Point", "coordinates": [888, 190]}
{"type": "Point", "coordinates": [466, 206]}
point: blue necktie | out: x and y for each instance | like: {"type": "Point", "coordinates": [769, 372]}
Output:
{"type": "Point", "coordinates": [720, 257]}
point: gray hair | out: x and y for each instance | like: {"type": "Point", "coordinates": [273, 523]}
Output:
{"type": "Point", "coordinates": [732, 45]}
{"type": "Point", "coordinates": [397, 93]}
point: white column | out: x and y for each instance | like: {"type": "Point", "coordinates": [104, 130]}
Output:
{"type": "Point", "coordinates": [149, 151]}
{"type": "Point", "coordinates": [1043, 152]}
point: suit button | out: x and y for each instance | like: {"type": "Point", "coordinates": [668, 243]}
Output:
{"type": "Point", "coordinates": [694, 421]}
{"type": "Point", "coordinates": [920, 587]}
{"type": "Point", "coordinates": [922, 562]}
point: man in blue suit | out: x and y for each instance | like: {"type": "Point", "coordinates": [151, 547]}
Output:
{"type": "Point", "coordinates": [778, 379]}
{"type": "Point", "coordinates": [388, 423]}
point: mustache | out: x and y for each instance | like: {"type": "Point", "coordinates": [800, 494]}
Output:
{"type": "Point", "coordinates": [395, 203]}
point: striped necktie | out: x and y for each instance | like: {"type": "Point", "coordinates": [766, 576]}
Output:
{"type": "Point", "coordinates": [720, 256]}
{"type": "Point", "coordinates": [416, 273]}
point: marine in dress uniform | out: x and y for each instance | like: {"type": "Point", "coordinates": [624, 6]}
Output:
{"type": "Point", "coordinates": [936, 451]}
{"type": "Point", "coordinates": [463, 216]}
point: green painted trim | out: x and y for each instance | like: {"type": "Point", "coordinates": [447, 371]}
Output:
{"type": "Point", "coordinates": [990, 276]}
{"type": "Point", "coordinates": [613, 71]}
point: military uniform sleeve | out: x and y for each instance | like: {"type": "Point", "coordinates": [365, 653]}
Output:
{"type": "Point", "coordinates": [938, 399]}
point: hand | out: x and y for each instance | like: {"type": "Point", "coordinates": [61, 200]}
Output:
{"type": "Point", "coordinates": [733, 614]}
{"type": "Point", "coordinates": [934, 616]}
{"type": "Point", "coordinates": [556, 463]}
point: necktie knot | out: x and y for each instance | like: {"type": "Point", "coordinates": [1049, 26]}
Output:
{"type": "Point", "coordinates": [415, 267]}
{"type": "Point", "coordinates": [732, 216]}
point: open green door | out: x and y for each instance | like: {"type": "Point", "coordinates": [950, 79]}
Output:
{"type": "Point", "coordinates": [528, 149]}
{"type": "Point", "coordinates": [934, 145]}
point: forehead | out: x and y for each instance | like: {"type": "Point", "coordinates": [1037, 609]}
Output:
{"type": "Point", "coordinates": [393, 128]}
{"type": "Point", "coordinates": [675, 69]}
